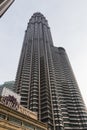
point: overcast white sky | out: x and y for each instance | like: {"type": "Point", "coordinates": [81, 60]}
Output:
{"type": "Point", "coordinates": [68, 22]}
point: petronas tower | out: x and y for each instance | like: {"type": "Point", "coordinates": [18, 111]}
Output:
{"type": "Point", "coordinates": [46, 82]}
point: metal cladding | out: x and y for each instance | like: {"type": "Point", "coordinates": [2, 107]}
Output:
{"type": "Point", "coordinates": [4, 5]}
{"type": "Point", "coordinates": [46, 82]}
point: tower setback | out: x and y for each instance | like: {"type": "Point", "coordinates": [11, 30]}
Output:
{"type": "Point", "coordinates": [46, 82]}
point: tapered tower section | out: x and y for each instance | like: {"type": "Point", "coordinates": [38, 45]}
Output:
{"type": "Point", "coordinates": [46, 82]}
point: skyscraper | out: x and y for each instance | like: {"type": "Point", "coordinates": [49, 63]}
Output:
{"type": "Point", "coordinates": [46, 82]}
{"type": "Point", "coordinates": [4, 5]}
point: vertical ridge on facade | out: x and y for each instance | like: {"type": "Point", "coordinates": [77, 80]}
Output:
{"type": "Point", "coordinates": [46, 82]}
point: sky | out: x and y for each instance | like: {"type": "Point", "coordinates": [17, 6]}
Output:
{"type": "Point", "coordinates": [68, 22]}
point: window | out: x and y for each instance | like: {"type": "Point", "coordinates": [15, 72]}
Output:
{"type": "Point", "coordinates": [27, 125]}
{"type": "Point", "coordinates": [14, 120]}
{"type": "Point", "coordinates": [2, 116]}
{"type": "Point", "coordinates": [39, 129]}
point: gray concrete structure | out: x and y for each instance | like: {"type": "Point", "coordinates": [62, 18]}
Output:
{"type": "Point", "coordinates": [46, 82]}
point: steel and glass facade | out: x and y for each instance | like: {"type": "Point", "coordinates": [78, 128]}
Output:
{"type": "Point", "coordinates": [4, 5]}
{"type": "Point", "coordinates": [46, 82]}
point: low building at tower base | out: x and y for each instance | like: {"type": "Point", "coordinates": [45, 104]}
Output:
{"type": "Point", "coordinates": [13, 116]}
